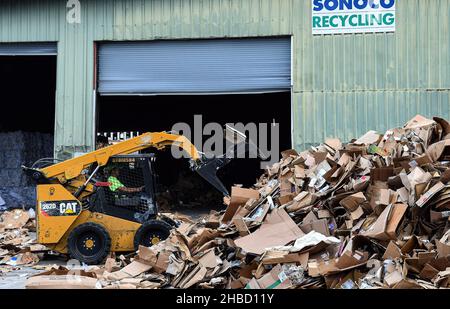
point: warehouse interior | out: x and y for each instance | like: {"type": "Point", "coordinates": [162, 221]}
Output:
{"type": "Point", "coordinates": [28, 90]}
{"type": "Point", "coordinates": [27, 130]}
{"type": "Point", "coordinates": [159, 113]}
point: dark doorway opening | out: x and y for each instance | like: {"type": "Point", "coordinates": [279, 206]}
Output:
{"type": "Point", "coordinates": [27, 122]}
{"type": "Point", "coordinates": [160, 113]}
{"type": "Point", "coordinates": [28, 93]}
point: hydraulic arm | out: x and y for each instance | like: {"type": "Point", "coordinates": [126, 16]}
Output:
{"type": "Point", "coordinates": [70, 173]}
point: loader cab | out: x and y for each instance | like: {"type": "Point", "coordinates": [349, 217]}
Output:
{"type": "Point", "coordinates": [131, 171]}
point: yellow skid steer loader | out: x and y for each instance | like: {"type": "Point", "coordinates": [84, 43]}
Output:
{"type": "Point", "coordinates": [78, 213]}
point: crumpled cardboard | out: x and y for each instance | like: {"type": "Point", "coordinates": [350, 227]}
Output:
{"type": "Point", "coordinates": [209, 260]}
{"type": "Point", "coordinates": [350, 260]}
{"type": "Point", "coordinates": [276, 279]}
{"type": "Point", "coordinates": [443, 245]}
{"type": "Point", "coordinates": [367, 214]}
{"type": "Point", "coordinates": [385, 226]}
{"type": "Point", "coordinates": [72, 282]}
{"type": "Point", "coordinates": [429, 194]}
{"type": "Point", "coordinates": [132, 270]}
{"type": "Point", "coordinates": [272, 257]}
{"type": "Point", "coordinates": [193, 277]}
{"type": "Point", "coordinates": [437, 150]}
{"type": "Point", "coordinates": [311, 223]}
{"type": "Point", "coordinates": [15, 219]}
{"type": "Point", "coordinates": [392, 252]}
{"type": "Point", "coordinates": [239, 196]}
{"type": "Point", "coordinates": [371, 137]}
{"type": "Point", "coordinates": [277, 230]}
{"type": "Point", "coordinates": [352, 202]}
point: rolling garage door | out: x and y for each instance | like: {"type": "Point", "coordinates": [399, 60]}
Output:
{"type": "Point", "coordinates": [28, 49]}
{"type": "Point", "coordinates": [195, 66]}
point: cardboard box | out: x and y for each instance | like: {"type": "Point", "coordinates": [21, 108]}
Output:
{"type": "Point", "coordinates": [438, 150]}
{"type": "Point", "coordinates": [277, 230]}
{"type": "Point", "coordinates": [393, 278]}
{"type": "Point", "coordinates": [371, 137]}
{"type": "Point", "coordinates": [241, 226]}
{"type": "Point", "coordinates": [15, 219]}
{"type": "Point", "coordinates": [133, 269]}
{"type": "Point", "coordinates": [436, 216]}
{"type": "Point", "coordinates": [283, 257]}
{"type": "Point", "coordinates": [274, 280]}
{"type": "Point", "coordinates": [311, 223]}
{"type": "Point", "coordinates": [443, 245]}
{"type": "Point", "coordinates": [385, 226]}
{"type": "Point", "coordinates": [193, 277]}
{"type": "Point", "coordinates": [239, 196]}
{"type": "Point", "coordinates": [350, 260]}
{"type": "Point", "coordinates": [252, 285]}
{"type": "Point", "coordinates": [381, 174]}
{"type": "Point", "coordinates": [424, 199]}
{"type": "Point", "coordinates": [287, 190]}
{"type": "Point", "coordinates": [392, 251]}
{"type": "Point", "coordinates": [352, 202]}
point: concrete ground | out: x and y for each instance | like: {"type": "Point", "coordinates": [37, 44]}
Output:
{"type": "Point", "coordinates": [16, 279]}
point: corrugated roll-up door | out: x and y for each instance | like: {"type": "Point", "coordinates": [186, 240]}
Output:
{"type": "Point", "coordinates": [195, 66]}
{"type": "Point", "coordinates": [28, 49]}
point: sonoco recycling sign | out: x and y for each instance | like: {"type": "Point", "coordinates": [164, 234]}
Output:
{"type": "Point", "coordinates": [352, 16]}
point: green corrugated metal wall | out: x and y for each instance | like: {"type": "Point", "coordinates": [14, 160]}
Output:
{"type": "Point", "coordinates": [343, 84]}
{"type": "Point", "coordinates": [348, 84]}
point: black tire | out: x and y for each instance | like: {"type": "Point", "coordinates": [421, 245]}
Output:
{"type": "Point", "coordinates": [151, 232]}
{"type": "Point", "coordinates": [89, 243]}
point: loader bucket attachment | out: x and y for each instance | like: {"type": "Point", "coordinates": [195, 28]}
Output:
{"type": "Point", "coordinates": [239, 145]}
{"type": "Point", "coordinates": [208, 170]}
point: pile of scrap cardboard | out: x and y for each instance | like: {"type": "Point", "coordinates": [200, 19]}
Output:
{"type": "Point", "coordinates": [17, 247]}
{"type": "Point", "coordinates": [372, 213]}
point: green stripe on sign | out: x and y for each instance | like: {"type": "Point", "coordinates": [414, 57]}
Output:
{"type": "Point", "coordinates": [274, 285]}
{"type": "Point", "coordinates": [270, 287]}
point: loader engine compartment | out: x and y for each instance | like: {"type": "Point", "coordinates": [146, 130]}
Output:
{"type": "Point", "coordinates": [178, 185]}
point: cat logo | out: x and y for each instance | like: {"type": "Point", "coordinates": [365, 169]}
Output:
{"type": "Point", "coordinates": [68, 208]}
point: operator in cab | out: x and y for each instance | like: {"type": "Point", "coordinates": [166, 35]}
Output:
{"type": "Point", "coordinates": [115, 185]}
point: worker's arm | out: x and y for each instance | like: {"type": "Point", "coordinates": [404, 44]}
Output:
{"type": "Point", "coordinates": [130, 190]}
{"type": "Point", "coordinates": [116, 185]}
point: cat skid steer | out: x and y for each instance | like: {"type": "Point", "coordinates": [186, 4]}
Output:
{"type": "Point", "coordinates": [78, 213]}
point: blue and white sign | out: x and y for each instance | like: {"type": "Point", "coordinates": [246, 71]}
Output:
{"type": "Point", "coordinates": [352, 16]}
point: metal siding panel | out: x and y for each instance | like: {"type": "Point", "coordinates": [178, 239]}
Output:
{"type": "Point", "coordinates": [28, 21]}
{"type": "Point", "coordinates": [358, 82]}
{"type": "Point", "coordinates": [416, 56]}
{"type": "Point", "coordinates": [348, 115]}
{"type": "Point", "coordinates": [173, 19]}
{"type": "Point", "coordinates": [23, 49]}
{"type": "Point", "coordinates": [74, 126]}
{"type": "Point", "coordinates": [195, 66]}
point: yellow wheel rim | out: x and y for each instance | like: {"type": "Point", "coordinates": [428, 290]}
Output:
{"type": "Point", "coordinates": [155, 240]}
{"type": "Point", "coordinates": [89, 243]}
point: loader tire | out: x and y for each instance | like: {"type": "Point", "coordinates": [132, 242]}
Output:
{"type": "Point", "coordinates": [151, 232]}
{"type": "Point", "coordinates": [89, 243]}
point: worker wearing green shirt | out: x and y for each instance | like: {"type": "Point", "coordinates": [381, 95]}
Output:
{"type": "Point", "coordinates": [116, 185]}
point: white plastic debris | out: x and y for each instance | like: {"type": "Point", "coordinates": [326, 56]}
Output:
{"type": "Point", "coordinates": [32, 213]}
